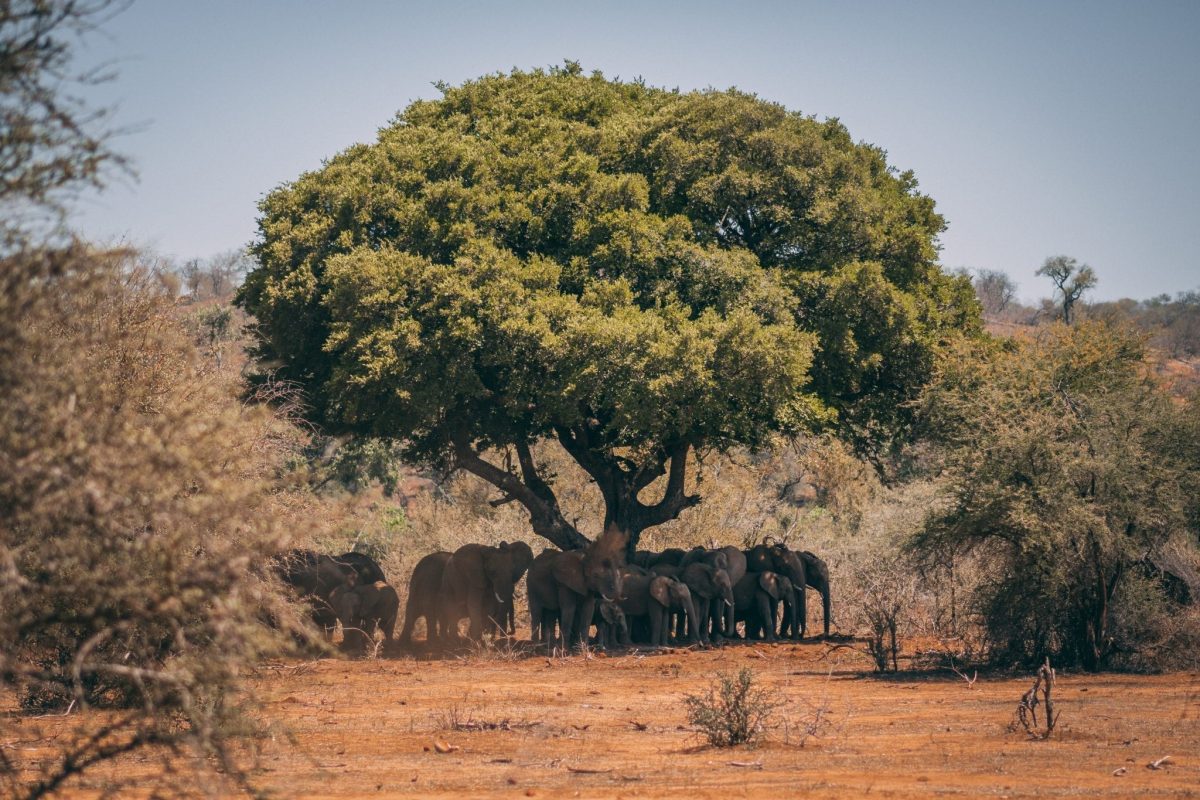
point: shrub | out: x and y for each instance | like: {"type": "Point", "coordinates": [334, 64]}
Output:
{"type": "Point", "coordinates": [136, 522]}
{"type": "Point", "coordinates": [733, 710]}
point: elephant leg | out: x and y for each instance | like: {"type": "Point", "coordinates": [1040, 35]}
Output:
{"type": "Point", "coordinates": [587, 609]}
{"type": "Point", "coordinates": [766, 614]}
{"type": "Point", "coordinates": [477, 614]}
{"type": "Point", "coordinates": [658, 619]}
{"type": "Point", "coordinates": [409, 623]}
{"type": "Point", "coordinates": [508, 618]}
{"type": "Point", "coordinates": [568, 604]}
{"type": "Point", "coordinates": [801, 610]}
{"type": "Point", "coordinates": [702, 612]}
{"type": "Point", "coordinates": [537, 622]}
{"type": "Point", "coordinates": [716, 621]}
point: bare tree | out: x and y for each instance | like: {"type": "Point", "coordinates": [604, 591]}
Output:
{"type": "Point", "coordinates": [51, 143]}
{"type": "Point", "coordinates": [225, 271]}
{"type": "Point", "coordinates": [995, 291]}
{"type": "Point", "coordinates": [1071, 279]}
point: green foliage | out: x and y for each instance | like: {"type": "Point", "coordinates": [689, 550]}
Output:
{"type": "Point", "coordinates": [1071, 279]}
{"type": "Point", "coordinates": [627, 269]}
{"type": "Point", "coordinates": [732, 710]}
{"type": "Point", "coordinates": [1066, 463]}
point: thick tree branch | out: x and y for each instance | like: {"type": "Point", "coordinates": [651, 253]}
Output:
{"type": "Point", "coordinates": [577, 443]}
{"type": "Point", "coordinates": [529, 471]}
{"type": "Point", "coordinates": [544, 515]}
{"type": "Point", "coordinates": [674, 499]}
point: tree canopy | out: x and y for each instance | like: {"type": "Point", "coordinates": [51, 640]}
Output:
{"type": "Point", "coordinates": [633, 272]}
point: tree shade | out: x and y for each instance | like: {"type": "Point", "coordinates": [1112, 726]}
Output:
{"type": "Point", "coordinates": [633, 272]}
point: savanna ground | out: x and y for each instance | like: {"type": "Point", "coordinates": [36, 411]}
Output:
{"type": "Point", "coordinates": [596, 726]}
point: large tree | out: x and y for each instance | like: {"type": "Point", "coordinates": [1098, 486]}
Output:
{"type": "Point", "coordinates": [632, 272]}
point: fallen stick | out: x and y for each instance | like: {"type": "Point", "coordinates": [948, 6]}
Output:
{"type": "Point", "coordinates": [1159, 764]}
{"type": "Point", "coordinates": [750, 764]}
{"type": "Point", "coordinates": [586, 771]}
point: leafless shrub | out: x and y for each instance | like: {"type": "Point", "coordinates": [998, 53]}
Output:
{"type": "Point", "coordinates": [887, 587]}
{"type": "Point", "coordinates": [1027, 709]}
{"type": "Point", "coordinates": [138, 519]}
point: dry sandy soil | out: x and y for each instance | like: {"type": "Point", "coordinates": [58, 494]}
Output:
{"type": "Point", "coordinates": [616, 727]}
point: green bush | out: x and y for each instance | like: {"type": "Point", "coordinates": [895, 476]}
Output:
{"type": "Point", "coordinates": [733, 710]}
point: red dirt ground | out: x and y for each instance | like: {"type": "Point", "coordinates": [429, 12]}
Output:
{"type": "Point", "coordinates": [525, 727]}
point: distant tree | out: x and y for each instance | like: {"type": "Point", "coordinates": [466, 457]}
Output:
{"type": "Point", "coordinates": [225, 271]}
{"type": "Point", "coordinates": [193, 277]}
{"type": "Point", "coordinates": [995, 291]}
{"type": "Point", "coordinates": [1067, 463]}
{"type": "Point", "coordinates": [635, 273]}
{"type": "Point", "coordinates": [1070, 278]}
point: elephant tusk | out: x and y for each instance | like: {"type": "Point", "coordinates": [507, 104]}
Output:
{"type": "Point", "coordinates": [728, 603]}
{"type": "Point", "coordinates": [499, 599]}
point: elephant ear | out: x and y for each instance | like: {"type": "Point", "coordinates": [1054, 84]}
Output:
{"type": "Point", "coordinates": [769, 583]}
{"type": "Point", "coordinates": [721, 561]}
{"type": "Point", "coordinates": [701, 576]}
{"type": "Point", "coordinates": [568, 571]}
{"type": "Point", "coordinates": [660, 590]}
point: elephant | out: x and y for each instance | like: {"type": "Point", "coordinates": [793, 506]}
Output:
{"type": "Point", "coordinates": [779, 559]}
{"type": "Point", "coordinates": [477, 582]}
{"type": "Point", "coordinates": [655, 597]}
{"type": "Point", "coordinates": [733, 561]}
{"type": "Point", "coordinates": [543, 597]}
{"type": "Point", "coordinates": [424, 593]}
{"type": "Point", "coordinates": [361, 609]}
{"type": "Point", "coordinates": [670, 570]}
{"type": "Point", "coordinates": [755, 597]}
{"type": "Point", "coordinates": [647, 559]}
{"type": "Point", "coordinates": [708, 584]}
{"type": "Point", "coordinates": [816, 574]}
{"type": "Point", "coordinates": [803, 569]}
{"type": "Point", "coordinates": [697, 553]}
{"type": "Point", "coordinates": [314, 577]}
{"type": "Point", "coordinates": [367, 568]}
{"type": "Point", "coordinates": [505, 617]}
{"type": "Point", "coordinates": [672, 556]}
{"type": "Point", "coordinates": [568, 584]}
{"type": "Point", "coordinates": [611, 625]}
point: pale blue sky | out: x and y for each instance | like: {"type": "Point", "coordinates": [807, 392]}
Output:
{"type": "Point", "coordinates": [1039, 128]}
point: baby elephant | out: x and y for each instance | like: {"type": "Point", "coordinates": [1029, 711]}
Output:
{"type": "Point", "coordinates": [361, 609]}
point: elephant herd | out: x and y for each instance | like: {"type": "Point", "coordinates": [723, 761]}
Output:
{"type": "Point", "coordinates": [697, 596]}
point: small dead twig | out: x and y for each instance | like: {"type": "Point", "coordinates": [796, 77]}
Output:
{"type": "Point", "coordinates": [70, 708]}
{"type": "Point", "coordinates": [747, 764]}
{"type": "Point", "coordinates": [1160, 763]}
{"type": "Point", "coordinates": [638, 726]}
{"type": "Point", "coordinates": [586, 771]}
